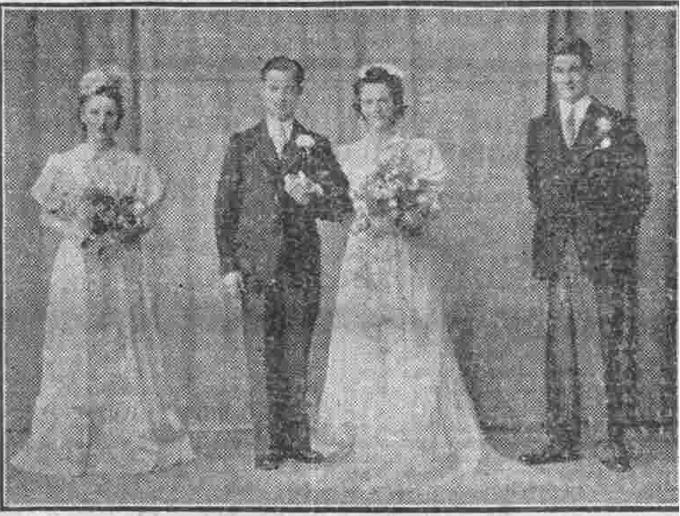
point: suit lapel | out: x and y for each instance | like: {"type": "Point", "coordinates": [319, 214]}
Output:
{"type": "Point", "coordinates": [555, 125]}
{"type": "Point", "coordinates": [588, 130]}
{"type": "Point", "coordinates": [290, 155]}
{"type": "Point", "coordinates": [266, 149]}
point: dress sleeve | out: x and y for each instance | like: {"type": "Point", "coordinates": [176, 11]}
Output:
{"type": "Point", "coordinates": [431, 166]}
{"type": "Point", "coordinates": [149, 185]}
{"type": "Point", "coordinates": [344, 154]}
{"type": "Point", "coordinates": [437, 168]}
{"type": "Point", "coordinates": [341, 154]}
{"type": "Point", "coordinates": [47, 189]}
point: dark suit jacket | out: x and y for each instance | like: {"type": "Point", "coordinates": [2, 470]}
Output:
{"type": "Point", "coordinates": [260, 230]}
{"type": "Point", "coordinates": [597, 192]}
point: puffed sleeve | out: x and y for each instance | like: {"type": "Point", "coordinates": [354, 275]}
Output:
{"type": "Point", "coordinates": [47, 189]}
{"type": "Point", "coordinates": [436, 170]}
{"type": "Point", "coordinates": [149, 185]}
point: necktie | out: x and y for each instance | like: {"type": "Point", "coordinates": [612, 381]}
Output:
{"type": "Point", "coordinates": [570, 128]}
{"type": "Point", "coordinates": [278, 138]}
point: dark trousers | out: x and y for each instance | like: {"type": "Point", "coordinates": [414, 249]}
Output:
{"type": "Point", "coordinates": [278, 327]}
{"type": "Point", "coordinates": [615, 305]}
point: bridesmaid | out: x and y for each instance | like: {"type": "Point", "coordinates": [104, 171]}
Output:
{"type": "Point", "coordinates": [102, 405]}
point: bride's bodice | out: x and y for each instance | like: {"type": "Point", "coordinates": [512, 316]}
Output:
{"type": "Point", "coordinates": [360, 160]}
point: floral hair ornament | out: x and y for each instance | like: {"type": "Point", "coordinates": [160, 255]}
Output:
{"type": "Point", "coordinates": [391, 69]}
{"type": "Point", "coordinates": [110, 77]}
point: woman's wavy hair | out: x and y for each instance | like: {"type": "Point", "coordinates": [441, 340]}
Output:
{"type": "Point", "coordinates": [378, 75]}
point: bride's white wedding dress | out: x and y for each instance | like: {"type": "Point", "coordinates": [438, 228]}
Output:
{"type": "Point", "coordinates": [394, 395]}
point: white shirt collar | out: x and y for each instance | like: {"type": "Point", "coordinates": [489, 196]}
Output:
{"type": "Point", "coordinates": [580, 107]}
{"type": "Point", "coordinates": [286, 127]}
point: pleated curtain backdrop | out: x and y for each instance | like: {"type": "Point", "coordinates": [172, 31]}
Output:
{"type": "Point", "coordinates": [473, 79]}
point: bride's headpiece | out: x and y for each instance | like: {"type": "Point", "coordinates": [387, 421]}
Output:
{"type": "Point", "coordinates": [110, 78]}
{"type": "Point", "coordinates": [389, 68]}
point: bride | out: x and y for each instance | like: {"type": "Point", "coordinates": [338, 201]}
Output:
{"type": "Point", "coordinates": [394, 393]}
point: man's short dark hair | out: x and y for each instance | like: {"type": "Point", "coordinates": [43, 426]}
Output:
{"type": "Point", "coordinates": [576, 47]}
{"type": "Point", "coordinates": [284, 64]}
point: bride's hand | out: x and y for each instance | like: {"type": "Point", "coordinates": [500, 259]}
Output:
{"type": "Point", "coordinates": [413, 219]}
{"type": "Point", "coordinates": [382, 224]}
{"type": "Point", "coordinates": [133, 234]}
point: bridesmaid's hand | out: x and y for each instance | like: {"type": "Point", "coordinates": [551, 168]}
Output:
{"type": "Point", "coordinates": [71, 229]}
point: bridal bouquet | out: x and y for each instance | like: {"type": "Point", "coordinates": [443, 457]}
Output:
{"type": "Point", "coordinates": [395, 193]}
{"type": "Point", "coordinates": [112, 220]}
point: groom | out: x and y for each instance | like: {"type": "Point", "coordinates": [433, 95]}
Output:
{"type": "Point", "coordinates": [587, 178]}
{"type": "Point", "coordinates": [277, 179]}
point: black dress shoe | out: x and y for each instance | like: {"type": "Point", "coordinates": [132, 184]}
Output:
{"type": "Point", "coordinates": [306, 456]}
{"type": "Point", "coordinates": [549, 455]}
{"type": "Point", "coordinates": [269, 461]}
{"type": "Point", "coordinates": [618, 460]}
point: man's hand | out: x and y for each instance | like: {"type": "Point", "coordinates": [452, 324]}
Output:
{"type": "Point", "coordinates": [232, 282]}
{"type": "Point", "coordinates": [300, 188]}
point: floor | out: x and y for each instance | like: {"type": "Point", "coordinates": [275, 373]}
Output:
{"type": "Point", "coordinates": [223, 475]}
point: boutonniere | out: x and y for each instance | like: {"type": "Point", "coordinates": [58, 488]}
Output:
{"type": "Point", "coordinates": [305, 142]}
{"type": "Point", "coordinates": [604, 126]}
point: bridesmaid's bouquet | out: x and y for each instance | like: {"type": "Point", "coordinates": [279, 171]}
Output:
{"type": "Point", "coordinates": [395, 193]}
{"type": "Point", "coordinates": [112, 220]}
